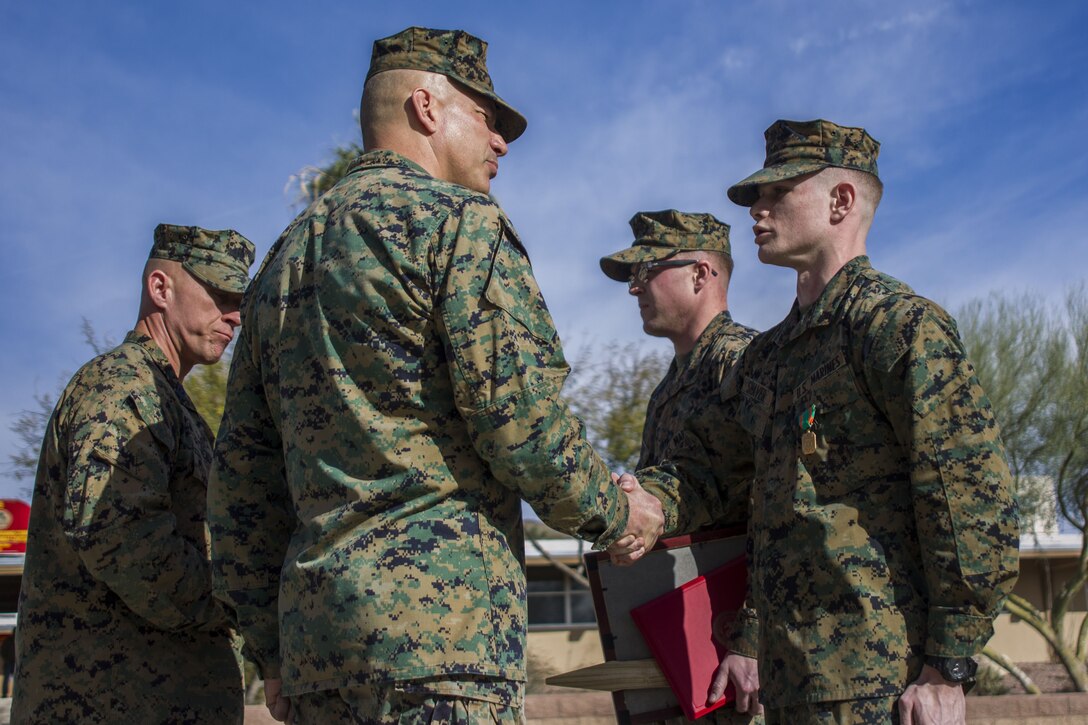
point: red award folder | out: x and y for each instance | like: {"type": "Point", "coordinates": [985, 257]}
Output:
{"type": "Point", "coordinates": [679, 628]}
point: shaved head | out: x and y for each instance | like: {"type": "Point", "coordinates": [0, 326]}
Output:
{"type": "Point", "coordinates": [869, 188]}
{"type": "Point", "coordinates": [386, 99]}
{"type": "Point", "coordinates": [168, 267]}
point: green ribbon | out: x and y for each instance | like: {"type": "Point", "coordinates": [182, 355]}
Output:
{"type": "Point", "coordinates": [808, 418]}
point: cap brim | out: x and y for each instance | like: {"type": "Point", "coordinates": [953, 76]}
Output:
{"type": "Point", "coordinates": [746, 192]}
{"type": "Point", "coordinates": [219, 277]}
{"type": "Point", "coordinates": [618, 266]}
{"type": "Point", "coordinates": [509, 123]}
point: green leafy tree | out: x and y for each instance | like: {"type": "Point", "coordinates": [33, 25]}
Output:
{"type": "Point", "coordinates": [313, 181]}
{"type": "Point", "coordinates": [207, 386]}
{"type": "Point", "coordinates": [611, 393]}
{"type": "Point", "coordinates": [1032, 360]}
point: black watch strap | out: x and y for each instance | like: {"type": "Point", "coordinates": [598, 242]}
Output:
{"type": "Point", "coordinates": [954, 669]}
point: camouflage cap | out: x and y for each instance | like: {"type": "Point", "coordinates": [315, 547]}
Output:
{"type": "Point", "coordinates": [218, 258]}
{"type": "Point", "coordinates": [661, 234]}
{"type": "Point", "coordinates": [453, 53]}
{"type": "Point", "coordinates": [800, 147]}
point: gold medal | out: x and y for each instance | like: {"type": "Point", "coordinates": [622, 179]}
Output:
{"type": "Point", "coordinates": [808, 442]}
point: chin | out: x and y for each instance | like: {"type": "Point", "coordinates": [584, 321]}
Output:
{"type": "Point", "coordinates": [214, 355]}
{"type": "Point", "coordinates": [766, 256]}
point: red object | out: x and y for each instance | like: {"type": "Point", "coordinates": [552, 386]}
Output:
{"type": "Point", "coordinates": [14, 517]}
{"type": "Point", "coordinates": [679, 629]}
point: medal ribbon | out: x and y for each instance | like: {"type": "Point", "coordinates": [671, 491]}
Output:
{"type": "Point", "coordinates": [808, 418]}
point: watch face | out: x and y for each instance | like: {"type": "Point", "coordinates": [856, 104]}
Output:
{"type": "Point", "coordinates": [956, 670]}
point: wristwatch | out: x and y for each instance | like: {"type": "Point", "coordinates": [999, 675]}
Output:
{"type": "Point", "coordinates": [955, 669]}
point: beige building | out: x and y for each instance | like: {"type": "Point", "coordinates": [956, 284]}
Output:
{"type": "Point", "coordinates": [1046, 563]}
{"type": "Point", "coordinates": [563, 635]}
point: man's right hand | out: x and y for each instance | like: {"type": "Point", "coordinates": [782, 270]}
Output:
{"type": "Point", "coordinates": [645, 523]}
{"type": "Point", "coordinates": [278, 705]}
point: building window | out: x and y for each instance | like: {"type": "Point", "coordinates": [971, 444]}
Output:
{"type": "Point", "coordinates": [555, 599]}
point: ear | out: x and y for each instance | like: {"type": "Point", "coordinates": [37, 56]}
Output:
{"type": "Point", "coordinates": [424, 106]}
{"type": "Point", "coordinates": [703, 274]}
{"type": "Point", "coordinates": [160, 288]}
{"type": "Point", "coordinates": [844, 198]}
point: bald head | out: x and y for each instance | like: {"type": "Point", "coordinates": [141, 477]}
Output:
{"type": "Point", "coordinates": [386, 107]}
{"type": "Point", "coordinates": [190, 321]}
{"type": "Point", "coordinates": [442, 125]}
{"type": "Point", "coordinates": [165, 267]}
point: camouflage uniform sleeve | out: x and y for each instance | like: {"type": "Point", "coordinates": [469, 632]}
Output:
{"type": "Point", "coordinates": [249, 513]}
{"type": "Point", "coordinates": [507, 371]}
{"type": "Point", "coordinates": [119, 515]}
{"type": "Point", "coordinates": [707, 476]}
{"type": "Point", "coordinates": [964, 509]}
{"type": "Point", "coordinates": [744, 636]}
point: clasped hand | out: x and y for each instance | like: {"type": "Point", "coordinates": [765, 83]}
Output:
{"type": "Point", "coordinates": [645, 522]}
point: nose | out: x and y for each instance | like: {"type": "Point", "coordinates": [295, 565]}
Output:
{"type": "Point", "coordinates": [498, 144]}
{"type": "Point", "coordinates": [233, 317]}
{"type": "Point", "coordinates": [758, 210]}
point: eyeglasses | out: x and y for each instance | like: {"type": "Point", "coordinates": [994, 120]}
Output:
{"type": "Point", "coordinates": [640, 272]}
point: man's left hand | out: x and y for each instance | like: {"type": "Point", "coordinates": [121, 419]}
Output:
{"type": "Point", "coordinates": [743, 672]}
{"type": "Point", "coordinates": [932, 700]}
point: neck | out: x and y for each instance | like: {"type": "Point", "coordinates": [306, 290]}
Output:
{"type": "Point", "coordinates": [813, 278]}
{"type": "Point", "coordinates": [411, 146]}
{"type": "Point", "coordinates": [154, 327]}
{"type": "Point", "coordinates": [684, 342]}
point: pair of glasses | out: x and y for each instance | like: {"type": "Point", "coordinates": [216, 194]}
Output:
{"type": "Point", "coordinates": [640, 272]}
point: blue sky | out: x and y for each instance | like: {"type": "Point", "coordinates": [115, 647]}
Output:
{"type": "Point", "coordinates": [117, 116]}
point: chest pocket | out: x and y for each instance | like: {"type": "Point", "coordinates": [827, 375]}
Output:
{"type": "Point", "coordinates": [512, 288]}
{"type": "Point", "coordinates": [830, 399]}
{"type": "Point", "coordinates": [748, 402]}
{"type": "Point", "coordinates": [189, 446]}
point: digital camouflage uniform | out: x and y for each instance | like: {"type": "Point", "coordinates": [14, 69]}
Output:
{"type": "Point", "coordinates": [690, 385]}
{"type": "Point", "coordinates": [693, 380]}
{"type": "Point", "coordinates": [690, 381]}
{"type": "Point", "coordinates": [693, 377]}
{"type": "Point", "coordinates": [395, 391]}
{"type": "Point", "coordinates": [895, 535]}
{"type": "Point", "coordinates": [116, 618]}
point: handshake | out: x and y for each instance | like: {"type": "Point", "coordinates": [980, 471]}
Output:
{"type": "Point", "coordinates": [645, 522]}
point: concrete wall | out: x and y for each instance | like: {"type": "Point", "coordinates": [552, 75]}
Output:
{"type": "Point", "coordinates": [555, 652]}
{"type": "Point", "coordinates": [1040, 580]}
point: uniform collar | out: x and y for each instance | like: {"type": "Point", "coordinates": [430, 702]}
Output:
{"type": "Point", "coordinates": [158, 357]}
{"type": "Point", "coordinates": [709, 334]}
{"type": "Point", "coordinates": [702, 344]}
{"type": "Point", "coordinates": [384, 157]}
{"type": "Point", "coordinates": [826, 308]}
